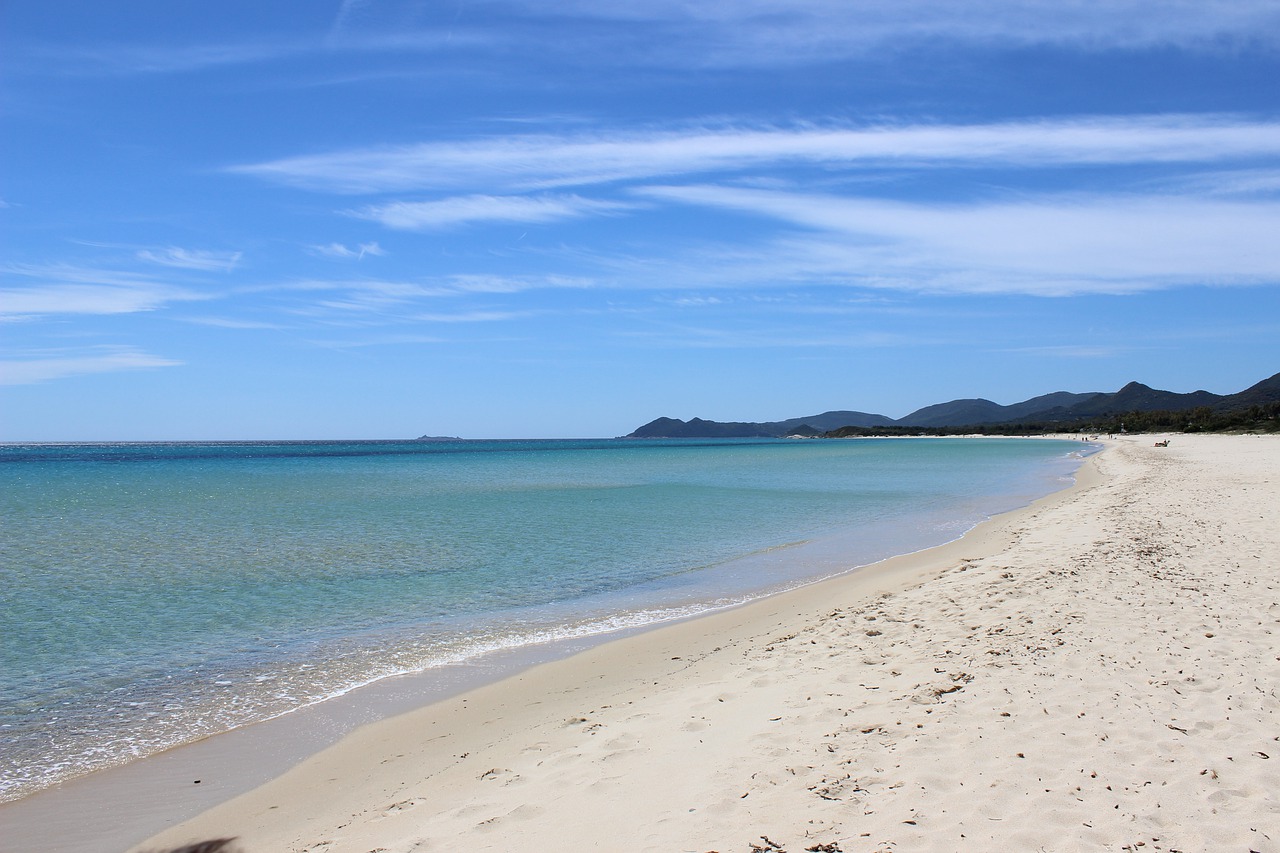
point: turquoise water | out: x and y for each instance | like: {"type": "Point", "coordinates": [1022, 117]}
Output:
{"type": "Point", "coordinates": [153, 594]}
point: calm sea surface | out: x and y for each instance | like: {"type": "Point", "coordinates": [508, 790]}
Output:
{"type": "Point", "coordinates": [151, 594]}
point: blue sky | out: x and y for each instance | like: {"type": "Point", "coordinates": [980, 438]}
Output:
{"type": "Point", "coordinates": [388, 218]}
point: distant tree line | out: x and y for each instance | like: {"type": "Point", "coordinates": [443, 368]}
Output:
{"type": "Point", "coordinates": [1264, 417]}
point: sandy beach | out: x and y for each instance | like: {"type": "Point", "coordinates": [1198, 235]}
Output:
{"type": "Point", "coordinates": [1100, 670]}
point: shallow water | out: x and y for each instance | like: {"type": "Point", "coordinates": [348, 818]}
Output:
{"type": "Point", "coordinates": [154, 593]}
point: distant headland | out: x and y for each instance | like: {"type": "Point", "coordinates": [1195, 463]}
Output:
{"type": "Point", "coordinates": [1134, 408]}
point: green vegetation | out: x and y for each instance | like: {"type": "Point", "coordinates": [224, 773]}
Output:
{"type": "Point", "coordinates": [1135, 408]}
{"type": "Point", "coordinates": [1263, 417]}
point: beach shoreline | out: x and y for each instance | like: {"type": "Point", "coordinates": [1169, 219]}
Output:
{"type": "Point", "coordinates": [131, 641]}
{"type": "Point", "coordinates": [885, 574]}
{"type": "Point", "coordinates": [716, 732]}
{"type": "Point", "coordinates": [238, 759]}
{"type": "Point", "coordinates": [118, 805]}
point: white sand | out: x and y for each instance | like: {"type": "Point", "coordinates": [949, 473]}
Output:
{"type": "Point", "coordinates": [1099, 671]}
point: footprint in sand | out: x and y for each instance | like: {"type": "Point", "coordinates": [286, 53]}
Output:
{"type": "Point", "coordinates": [403, 805]}
{"type": "Point", "coordinates": [502, 775]}
{"type": "Point", "coordinates": [520, 813]}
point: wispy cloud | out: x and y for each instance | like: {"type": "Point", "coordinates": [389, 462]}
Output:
{"type": "Point", "coordinates": [341, 250]}
{"type": "Point", "coordinates": [1051, 245]}
{"type": "Point", "coordinates": [763, 32]}
{"type": "Point", "coordinates": [178, 56]}
{"type": "Point", "coordinates": [473, 316]}
{"type": "Point", "coordinates": [1074, 351]}
{"type": "Point", "coordinates": [367, 301]}
{"type": "Point", "coordinates": [687, 336]}
{"type": "Point", "coordinates": [373, 296]}
{"type": "Point", "coordinates": [191, 259]}
{"type": "Point", "coordinates": [231, 323]}
{"type": "Point", "coordinates": [142, 58]}
{"type": "Point", "coordinates": [517, 284]}
{"type": "Point", "coordinates": [346, 12]}
{"type": "Point", "coordinates": [1235, 182]}
{"type": "Point", "coordinates": [66, 289]}
{"type": "Point", "coordinates": [532, 161]}
{"type": "Point", "coordinates": [695, 33]}
{"type": "Point", "coordinates": [463, 210]}
{"type": "Point", "coordinates": [378, 340]}
{"type": "Point", "coordinates": [44, 366]}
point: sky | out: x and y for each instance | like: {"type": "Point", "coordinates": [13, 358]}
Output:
{"type": "Point", "coordinates": [509, 218]}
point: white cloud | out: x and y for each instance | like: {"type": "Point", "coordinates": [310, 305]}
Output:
{"type": "Point", "coordinates": [192, 259]}
{"type": "Point", "coordinates": [378, 340]}
{"type": "Point", "coordinates": [231, 323]}
{"type": "Point", "coordinates": [341, 250]}
{"type": "Point", "coordinates": [472, 316]}
{"type": "Point", "coordinates": [385, 296]}
{"type": "Point", "coordinates": [163, 58]}
{"type": "Point", "coordinates": [1053, 245]}
{"type": "Point", "coordinates": [517, 284]}
{"type": "Point", "coordinates": [65, 289]}
{"type": "Point", "coordinates": [1074, 351]}
{"type": "Point", "coordinates": [346, 12]}
{"type": "Point", "coordinates": [364, 296]}
{"type": "Point", "coordinates": [423, 215]}
{"type": "Point", "coordinates": [699, 33]}
{"type": "Point", "coordinates": [79, 299]}
{"type": "Point", "coordinates": [696, 301]}
{"type": "Point", "coordinates": [719, 337]}
{"type": "Point", "coordinates": [45, 366]}
{"type": "Point", "coordinates": [763, 32]}
{"type": "Point", "coordinates": [1236, 182]}
{"type": "Point", "coordinates": [531, 161]}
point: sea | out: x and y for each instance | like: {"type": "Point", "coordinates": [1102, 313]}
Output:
{"type": "Point", "coordinates": [155, 594]}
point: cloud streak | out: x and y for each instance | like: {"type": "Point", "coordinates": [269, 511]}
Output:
{"type": "Point", "coordinates": [46, 366]}
{"type": "Point", "coordinates": [694, 33]}
{"type": "Point", "coordinates": [342, 251]}
{"type": "Point", "coordinates": [375, 301]}
{"type": "Point", "coordinates": [539, 161]}
{"type": "Point", "coordinates": [1052, 245]}
{"type": "Point", "coordinates": [192, 259]}
{"type": "Point", "coordinates": [1236, 182]}
{"type": "Point", "coordinates": [66, 289]}
{"type": "Point", "coordinates": [465, 210]}
{"type": "Point", "coordinates": [765, 32]}
{"type": "Point", "coordinates": [474, 316]}
{"type": "Point", "coordinates": [139, 58]}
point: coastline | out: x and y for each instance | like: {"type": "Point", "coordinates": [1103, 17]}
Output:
{"type": "Point", "coordinates": [281, 597]}
{"type": "Point", "coordinates": [120, 805]}
{"type": "Point", "coordinates": [660, 644]}
{"type": "Point", "coordinates": [790, 718]}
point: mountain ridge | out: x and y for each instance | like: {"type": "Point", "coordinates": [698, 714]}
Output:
{"type": "Point", "coordinates": [1064, 408]}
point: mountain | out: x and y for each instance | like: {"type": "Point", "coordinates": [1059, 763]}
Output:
{"type": "Point", "coordinates": [1136, 397]}
{"type": "Point", "coordinates": [981, 411]}
{"type": "Point", "coordinates": [811, 425]}
{"type": "Point", "coordinates": [1266, 391]}
{"type": "Point", "coordinates": [834, 420]}
{"type": "Point", "coordinates": [698, 428]}
{"type": "Point", "coordinates": [977, 411]}
{"type": "Point", "coordinates": [1059, 408]}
